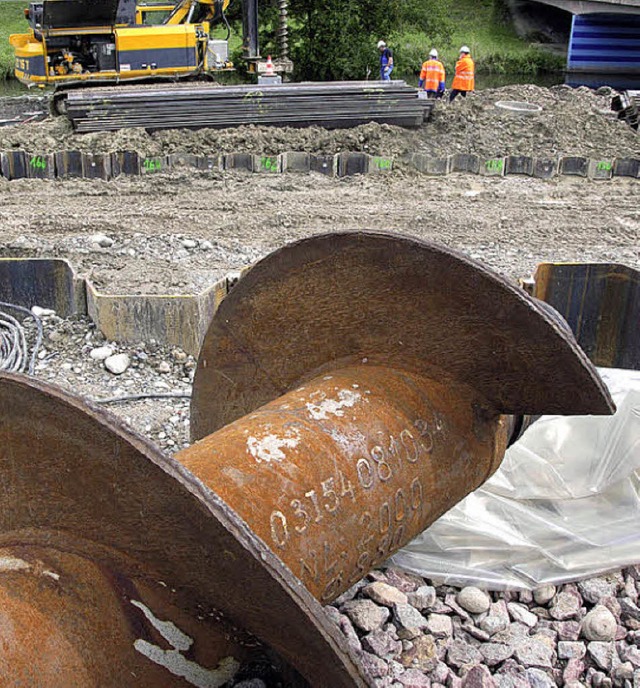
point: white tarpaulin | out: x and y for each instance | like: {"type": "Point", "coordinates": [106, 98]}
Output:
{"type": "Point", "coordinates": [565, 504]}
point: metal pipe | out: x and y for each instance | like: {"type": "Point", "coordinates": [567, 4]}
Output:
{"type": "Point", "coordinates": [250, 44]}
{"type": "Point", "coordinates": [339, 474]}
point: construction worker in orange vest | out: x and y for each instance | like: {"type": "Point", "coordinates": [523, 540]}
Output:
{"type": "Point", "coordinates": [464, 80]}
{"type": "Point", "coordinates": [432, 76]}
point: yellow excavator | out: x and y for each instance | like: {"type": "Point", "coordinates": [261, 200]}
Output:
{"type": "Point", "coordinates": [98, 41]}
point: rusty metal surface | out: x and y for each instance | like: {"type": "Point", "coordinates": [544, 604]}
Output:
{"type": "Point", "coordinates": [399, 302]}
{"type": "Point", "coordinates": [95, 520]}
{"type": "Point", "coordinates": [601, 303]}
{"type": "Point", "coordinates": [365, 377]}
{"type": "Point", "coordinates": [340, 473]}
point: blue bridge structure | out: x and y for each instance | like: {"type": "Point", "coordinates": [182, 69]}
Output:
{"type": "Point", "coordinates": [605, 36]}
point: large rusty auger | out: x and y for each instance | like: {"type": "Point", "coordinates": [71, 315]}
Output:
{"type": "Point", "coordinates": [351, 388]}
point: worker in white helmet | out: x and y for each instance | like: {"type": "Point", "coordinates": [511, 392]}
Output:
{"type": "Point", "coordinates": [464, 81]}
{"type": "Point", "coordinates": [386, 61]}
{"type": "Point", "coordinates": [432, 76]}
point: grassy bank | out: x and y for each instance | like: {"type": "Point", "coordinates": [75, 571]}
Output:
{"type": "Point", "coordinates": [495, 46]}
{"type": "Point", "coordinates": [11, 21]}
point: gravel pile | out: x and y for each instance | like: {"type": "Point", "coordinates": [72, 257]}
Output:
{"type": "Point", "coordinates": [412, 634]}
{"type": "Point", "coordinates": [76, 356]}
{"type": "Point", "coordinates": [408, 632]}
{"type": "Point", "coordinates": [572, 122]}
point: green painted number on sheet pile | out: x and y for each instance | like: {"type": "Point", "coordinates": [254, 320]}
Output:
{"type": "Point", "coordinates": [152, 164]}
{"type": "Point", "coordinates": [603, 165]}
{"type": "Point", "coordinates": [494, 165]}
{"type": "Point", "coordinates": [382, 163]}
{"type": "Point", "coordinates": [38, 162]}
{"type": "Point", "coordinates": [269, 164]}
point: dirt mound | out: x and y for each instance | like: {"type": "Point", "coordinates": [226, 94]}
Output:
{"type": "Point", "coordinates": [572, 122]}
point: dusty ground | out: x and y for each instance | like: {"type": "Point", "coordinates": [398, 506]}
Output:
{"type": "Point", "coordinates": [232, 219]}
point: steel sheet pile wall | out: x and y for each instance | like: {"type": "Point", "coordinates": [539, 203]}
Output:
{"type": "Point", "coordinates": [332, 105]}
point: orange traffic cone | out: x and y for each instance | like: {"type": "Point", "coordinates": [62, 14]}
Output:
{"type": "Point", "coordinates": [269, 71]}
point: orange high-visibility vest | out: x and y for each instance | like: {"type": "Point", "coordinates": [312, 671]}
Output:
{"type": "Point", "coordinates": [464, 79]}
{"type": "Point", "coordinates": [432, 74]}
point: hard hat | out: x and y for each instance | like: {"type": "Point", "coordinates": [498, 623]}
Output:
{"type": "Point", "coordinates": [381, 44]}
{"type": "Point", "coordinates": [433, 53]}
{"type": "Point", "coordinates": [465, 49]}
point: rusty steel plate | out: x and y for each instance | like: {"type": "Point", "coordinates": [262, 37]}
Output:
{"type": "Point", "coordinates": [119, 567]}
{"type": "Point", "coordinates": [336, 299]}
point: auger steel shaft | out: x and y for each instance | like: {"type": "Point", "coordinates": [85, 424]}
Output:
{"type": "Point", "coordinates": [283, 30]}
{"type": "Point", "coordinates": [340, 473]}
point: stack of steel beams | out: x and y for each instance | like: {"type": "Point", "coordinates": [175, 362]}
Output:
{"type": "Point", "coordinates": [194, 106]}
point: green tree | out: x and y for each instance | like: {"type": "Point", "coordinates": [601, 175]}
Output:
{"type": "Point", "coordinates": [336, 39]}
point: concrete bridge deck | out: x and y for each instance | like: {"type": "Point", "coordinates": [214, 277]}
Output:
{"type": "Point", "coordinates": [579, 7]}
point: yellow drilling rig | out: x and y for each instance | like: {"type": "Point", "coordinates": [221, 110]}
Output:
{"type": "Point", "coordinates": [118, 40]}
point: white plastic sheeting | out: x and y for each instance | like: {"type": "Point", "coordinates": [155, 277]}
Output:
{"type": "Point", "coordinates": [564, 505]}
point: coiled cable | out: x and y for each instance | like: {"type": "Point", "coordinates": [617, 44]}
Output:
{"type": "Point", "coordinates": [14, 348]}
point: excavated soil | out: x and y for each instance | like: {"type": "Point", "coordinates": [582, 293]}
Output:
{"type": "Point", "coordinates": [179, 233]}
{"type": "Point", "coordinates": [572, 122]}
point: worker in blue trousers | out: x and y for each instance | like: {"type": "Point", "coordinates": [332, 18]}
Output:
{"type": "Point", "coordinates": [386, 61]}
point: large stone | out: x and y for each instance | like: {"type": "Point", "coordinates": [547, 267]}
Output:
{"type": "Point", "coordinates": [475, 632]}
{"type": "Point", "coordinates": [440, 673]}
{"type": "Point", "coordinates": [440, 625]}
{"type": "Point", "coordinates": [422, 655]}
{"type": "Point", "coordinates": [515, 634]}
{"type": "Point", "coordinates": [385, 594]}
{"type": "Point", "coordinates": [520, 613]}
{"type": "Point", "coordinates": [408, 619]}
{"type": "Point", "coordinates": [571, 650]}
{"type": "Point", "coordinates": [494, 623]}
{"type": "Point", "coordinates": [117, 364]}
{"type": "Point", "coordinates": [566, 605]}
{"type": "Point", "coordinates": [602, 654]}
{"type": "Point", "coordinates": [478, 677]}
{"type": "Point", "coordinates": [382, 644]}
{"type": "Point", "coordinates": [461, 653]}
{"type": "Point", "coordinates": [632, 654]}
{"type": "Point", "coordinates": [567, 630]}
{"type": "Point", "coordinates": [423, 598]}
{"type": "Point", "coordinates": [599, 624]}
{"type": "Point", "coordinates": [511, 675]}
{"type": "Point", "coordinates": [624, 672]}
{"type": "Point", "coordinates": [473, 600]}
{"type": "Point", "coordinates": [412, 678]}
{"type": "Point", "coordinates": [374, 666]}
{"type": "Point", "coordinates": [101, 353]}
{"type": "Point", "coordinates": [535, 652]}
{"type": "Point", "coordinates": [594, 589]}
{"type": "Point", "coordinates": [366, 614]}
{"type": "Point", "coordinates": [495, 653]}
{"type": "Point", "coordinates": [544, 594]}
{"type": "Point", "coordinates": [573, 671]}
{"type": "Point", "coordinates": [403, 580]}
{"type": "Point", "coordinates": [539, 679]}
{"type": "Point", "coordinates": [629, 609]}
